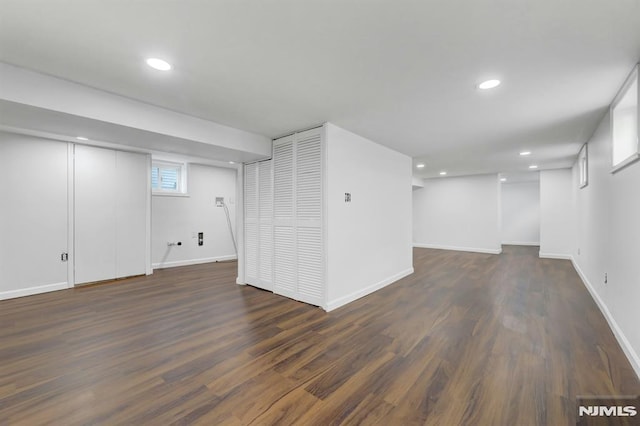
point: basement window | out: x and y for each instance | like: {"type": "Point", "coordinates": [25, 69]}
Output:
{"type": "Point", "coordinates": [583, 166]}
{"type": "Point", "coordinates": [168, 178]}
{"type": "Point", "coordinates": [624, 123]}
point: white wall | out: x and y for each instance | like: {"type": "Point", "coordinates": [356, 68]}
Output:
{"type": "Point", "coordinates": [521, 213]}
{"type": "Point", "coordinates": [368, 239]}
{"type": "Point", "coordinates": [608, 240]}
{"type": "Point", "coordinates": [458, 213]}
{"type": "Point", "coordinates": [33, 215]}
{"type": "Point", "coordinates": [176, 218]}
{"type": "Point", "coordinates": [556, 213]}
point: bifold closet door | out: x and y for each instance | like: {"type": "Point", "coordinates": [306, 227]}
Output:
{"type": "Point", "coordinates": [110, 214]}
{"type": "Point", "coordinates": [251, 237]}
{"type": "Point", "coordinates": [285, 272]}
{"type": "Point", "coordinates": [265, 223]}
{"type": "Point", "coordinates": [298, 233]}
{"type": "Point", "coordinates": [95, 214]}
{"type": "Point", "coordinates": [308, 192]}
{"type": "Point", "coordinates": [131, 213]}
{"type": "Point", "coordinates": [258, 222]}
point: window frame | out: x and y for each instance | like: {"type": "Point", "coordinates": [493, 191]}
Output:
{"type": "Point", "coordinates": [583, 166]}
{"type": "Point", "coordinates": [181, 190]}
{"type": "Point", "coordinates": [634, 76]}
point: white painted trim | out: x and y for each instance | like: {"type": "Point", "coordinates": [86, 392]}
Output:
{"type": "Point", "coordinates": [331, 305]}
{"type": "Point", "coordinates": [625, 163]}
{"type": "Point", "coordinates": [12, 294]}
{"type": "Point", "coordinates": [543, 255]}
{"type": "Point", "coordinates": [521, 243]}
{"type": "Point", "coordinates": [471, 249]}
{"type": "Point", "coordinates": [239, 281]}
{"type": "Point", "coordinates": [193, 261]}
{"type": "Point", "coordinates": [624, 343]}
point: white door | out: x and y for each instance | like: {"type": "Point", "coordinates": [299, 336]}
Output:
{"type": "Point", "coordinates": [95, 214]}
{"type": "Point", "coordinates": [110, 214]}
{"type": "Point", "coordinates": [132, 172]}
{"type": "Point", "coordinates": [265, 223]}
{"type": "Point", "coordinates": [298, 233]}
{"type": "Point", "coordinates": [33, 215]}
{"type": "Point", "coordinates": [251, 235]}
{"type": "Point", "coordinates": [258, 223]}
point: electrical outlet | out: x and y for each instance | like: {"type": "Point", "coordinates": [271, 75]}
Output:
{"type": "Point", "coordinates": [578, 252]}
{"type": "Point", "coordinates": [347, 197]}
{"type": "Point", "coordinates": [200, 238]}
{"type": "Point", "coordinates": [606, 279]}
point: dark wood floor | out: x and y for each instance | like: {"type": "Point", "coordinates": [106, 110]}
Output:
{"type": "Point", "coordinates": [469, 339]}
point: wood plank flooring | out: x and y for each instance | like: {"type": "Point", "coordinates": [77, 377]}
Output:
{"type": "Point", "coordinates": [468, 339]}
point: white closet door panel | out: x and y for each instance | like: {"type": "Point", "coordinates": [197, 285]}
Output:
{"type": "Point", "coordinates": [33, 213]}
{"type": "Point", "coordinates": [131, 213]}
{"type": "Point", "coordinates": [310, 265]}
{"type": "Point", "coordinates": [265, 262]}
{"type": "Point", "coordinates": [284, 274]}
{"type": "Point", "coordinates": [251, 252]}
{"type": "Point", "coordinates": [265, 190]}
{"type": "Point", "coordinates": [283, 179]}
{"type": "Point", "coordinates": [265, 196]}
{"type": "Point", "coordinates": [251, 229]}
{"type": "Point", "coordinates": [95, 214]}
{"type": "Point", "coordinates": [251, 191]}
{"type": "Point", "coordinates": [309, 177]}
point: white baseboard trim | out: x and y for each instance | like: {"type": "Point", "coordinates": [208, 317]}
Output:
{"type": "Point", "coordinates": [521, 243]}
{"type": "Point", "coordinates": [624, 343]}
{"type": "Point", "coordinates": [193, 261]}
{"type": "Point", "coordinates": [471, 249]}
{"type": "Point", "coordinates": [555, 256]}
{"type": "Point", "coordinates": [334, 304]}
{"type": "Point", "coordinates": [12, 294]}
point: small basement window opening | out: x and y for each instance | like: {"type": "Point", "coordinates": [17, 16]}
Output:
{"type": "Point", "coordinates": [168, 178]}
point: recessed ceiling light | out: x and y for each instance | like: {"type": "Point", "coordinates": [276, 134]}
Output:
{"type": "Point", "coordinates": [489, 84]}
{"type": "Point", "coordinates": [533, 166]}
{"type": "Point", "coordinates": [523, 153]}
{"type": "Point", "coordinates": [159, 64]}
{"type": "Point", "coordinates": [420, 166]}
{"type": "Point", "coordinates": [232, 162]}
{"type": "Point", "coordinates": [443, 173]}
{"type": "Point", "coordinates": [503, 179]}
{"type": "Point", "coordinates": [82, 138]}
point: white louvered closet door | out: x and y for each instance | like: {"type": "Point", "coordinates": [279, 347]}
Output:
{"type": "Point", "coordinates": [284, 264]}
{"type": "Point", "coordinates": [265, 224]}
{"type": "Point", "coordinates": [310, 258]}
{"type": "Point", "coordinates": [298, 240]}
{"type": "Point", "coordinates": [258, 224]}
{"type": "Point", "coordinates": [251, 212]}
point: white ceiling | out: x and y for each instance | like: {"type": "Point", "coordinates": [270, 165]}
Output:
{"type": "Point", "coordinates": [401, 73]}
